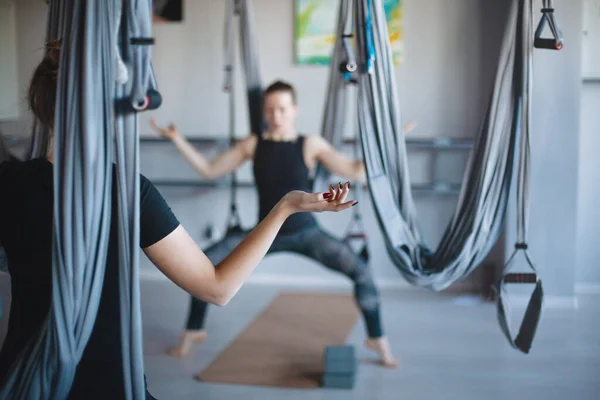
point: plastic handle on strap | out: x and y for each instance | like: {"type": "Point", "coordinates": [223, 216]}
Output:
{"type": "Point", "coordinates": [555, 43]}
{"type": "Point", "coordinates": [548, 44]}
{"type": "Point", "coordinates": [356, 236]}
{"type": "Point", "coordinates": [151, 101]}
{"type": "Point", "coordinates": [520, 278]}
{"type": "Point", "coordinates": [348, 66]}
{"type": "Point", "coordinates": [142, 41]}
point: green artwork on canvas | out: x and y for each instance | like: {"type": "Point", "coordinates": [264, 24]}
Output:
{"type": "Point", "coordinates": [315, 29]}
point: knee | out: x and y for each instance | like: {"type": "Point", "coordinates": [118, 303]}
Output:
{"type": "Point", "coordinates": [363, 277]}
{"type": "Point", "coordinates": [368, 299]}
{"type": "Point", "coordinates": [366, 291]}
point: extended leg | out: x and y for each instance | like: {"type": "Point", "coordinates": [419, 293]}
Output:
{"type": "Point", "coordinates": [194, 331]}
{"type": "Point", "coordinates": [338, 256]}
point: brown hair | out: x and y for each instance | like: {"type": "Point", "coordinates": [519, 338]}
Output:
{"type": "Point", "coordinates": [280, 86]}
{"type": "Point", "coordinates": [42, 88]}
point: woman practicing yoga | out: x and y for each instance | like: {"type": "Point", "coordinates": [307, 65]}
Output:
{"type": "Point", "coordinates": [26, 215]}
{"type": "Point", "coordinates": [283, 161]}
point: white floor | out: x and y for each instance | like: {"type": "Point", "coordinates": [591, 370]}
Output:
{"type": "Point", "coordinates": [449, 350]}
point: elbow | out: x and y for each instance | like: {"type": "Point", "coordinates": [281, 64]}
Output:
{"type": "Point", "coordinates": [222, 300]}
{"type": "Point", "coordinates": [220, 297]}
{"type": "Point", "coordinates": [216, 299]}
{"type": "Point", "coordinates": [206, 174]}
{"type": "Point", "coordinates": [209, 173]}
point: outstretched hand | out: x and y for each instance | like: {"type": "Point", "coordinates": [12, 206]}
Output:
{"type": "Point", "coordinates": [169, 132]}
{"type": "Point", "coordinates": [334, 200]}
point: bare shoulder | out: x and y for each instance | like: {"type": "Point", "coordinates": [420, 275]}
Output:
{"type": "Point", "coordinates": [316, 143]}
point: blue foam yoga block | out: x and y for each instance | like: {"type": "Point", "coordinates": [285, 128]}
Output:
{"type": "Point", "coordinates": [340, 353]}
{"type": "Point", "coordinates": [339, 381]}
{"type": "Point", "coordinates": [340, 360]}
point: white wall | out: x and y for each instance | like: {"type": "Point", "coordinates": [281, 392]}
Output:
{"type": "Point", "coordinates": [8, 61]}
{"type": "Point", "coordinates": [439, 80]}
{"type": "Point", "coordinates": [30, 28]}
{"type": "Point", "coordinates": [588, 217]}
{"type": "Point", "coordinates": [451, 51]}
{"type": "Point", "coordinates": [444, 85]}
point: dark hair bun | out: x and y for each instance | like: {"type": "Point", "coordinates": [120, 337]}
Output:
{"type": "Point", "coordinates": [42, 89]}
{"type": "Point", "coordinates": [53, 53]}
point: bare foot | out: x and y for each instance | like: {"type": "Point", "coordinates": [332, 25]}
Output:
{"type": "Point", "coordinates": [382, 347]}
{"type": "Point", "coordinates": [188, 338]}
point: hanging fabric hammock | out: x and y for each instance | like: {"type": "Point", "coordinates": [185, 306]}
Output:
{"type": "Point", "coordinates": [501, 145]}
{"type": "Point", "coordinates": [342, 67]}
{"type": "Point", "coordinates": [254, 91]}
{"type": "Point", "coordinates": [249, 50]}
{"type": "Point", "coordinates": [86, 129]}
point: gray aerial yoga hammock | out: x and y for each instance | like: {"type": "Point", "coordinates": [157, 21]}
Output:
{"type": "Point", "coordinates": [254, 88]}
{"type": "Point", "coordinates": [501, 145]}
{"type": "Point", "coordinates": [249, 49]}
{"type": "Point", "coordinates": [89, 122]}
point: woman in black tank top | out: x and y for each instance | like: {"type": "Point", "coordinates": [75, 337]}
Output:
{"type": "Point", "coordinates": [280, 159]}
{"type": "Point", "coordinates": [278, 168]}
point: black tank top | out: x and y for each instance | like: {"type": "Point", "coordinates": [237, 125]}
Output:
{"type": "Point", "coordinates": [278, 169]}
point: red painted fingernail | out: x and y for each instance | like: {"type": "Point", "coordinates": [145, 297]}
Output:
{"type": "Point", "coordinates": [327, 195]}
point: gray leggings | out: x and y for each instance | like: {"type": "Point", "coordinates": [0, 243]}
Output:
{"type": "Point", "coordinates": [314, 243]}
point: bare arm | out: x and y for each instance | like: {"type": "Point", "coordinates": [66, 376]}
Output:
{"type": "Point", "coordinates": [225, 163]}
{"type": "Point", "coordinates": [182, 261]}
{"type": "Point", "coordinates": [338, 163]}
{"type": "Point", "coordinates": [334, 161]}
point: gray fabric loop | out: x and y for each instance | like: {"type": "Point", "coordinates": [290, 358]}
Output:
{"type": "Point", "coordinates": [243, 10]}
{"type": "Point", "coordinates": [549, 19]}
{"type": "Point", "coordinates": [529, 324]}
{"type": "Point", "coordinates": [530, 321]}
{"type": "Point", "coordinates": [333, 125]}
{"type": "Point", "coordinates": [86, 130]}
{"type": "Point", "coordinates": [228, 53]}
{"type": "Point", "coordinates": [500, 153]}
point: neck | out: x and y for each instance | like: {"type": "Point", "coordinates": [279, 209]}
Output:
{"type": "Point", "coordinates": [282, 136]}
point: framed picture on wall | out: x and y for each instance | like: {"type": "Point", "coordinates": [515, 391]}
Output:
{"type": "Point", "coordinates": [167, 11]}
{"type": "Point", "coordinates": [315, 29]}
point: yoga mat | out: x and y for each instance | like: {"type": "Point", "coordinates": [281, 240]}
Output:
{"type": "Point", "coordinates": [284, 346]}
